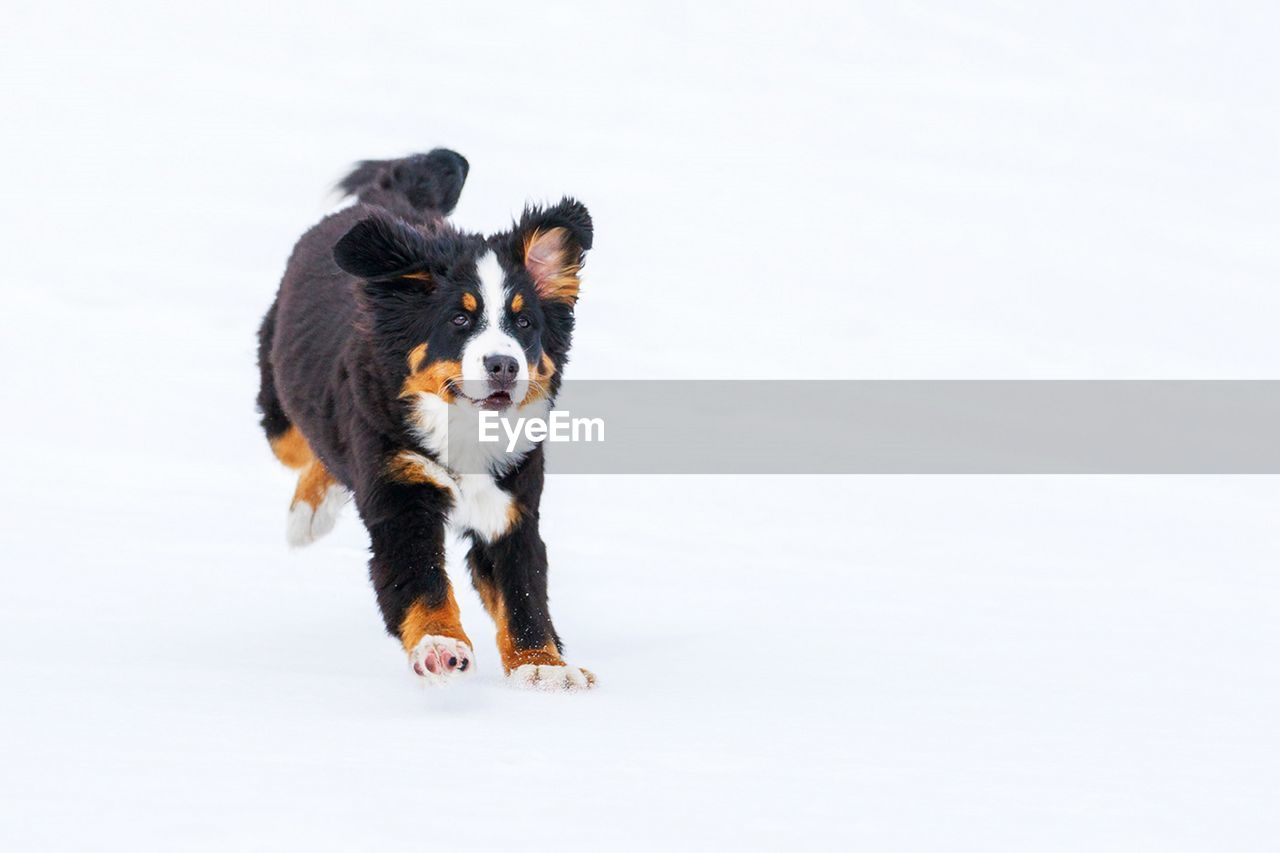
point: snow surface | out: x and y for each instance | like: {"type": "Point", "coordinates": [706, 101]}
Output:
{"type": "Point", "coordinates": [936, 190]}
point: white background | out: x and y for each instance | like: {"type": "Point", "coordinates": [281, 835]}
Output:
{"type": "Point", "coordinates": [935, 190]}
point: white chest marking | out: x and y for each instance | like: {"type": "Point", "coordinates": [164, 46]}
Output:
{"type": "Point", "coordinates": [483, 507]}
{"type": "Point", "coordinates": [452, 434]}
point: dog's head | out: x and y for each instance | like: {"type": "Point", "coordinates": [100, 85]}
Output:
{"type": "Point", "coordinates": [479, 322]}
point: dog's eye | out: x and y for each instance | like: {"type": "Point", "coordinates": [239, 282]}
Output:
{"type": "Point", "coordinates": [461, 320]}
{"type": "Point", "coordinates": [523, 322]}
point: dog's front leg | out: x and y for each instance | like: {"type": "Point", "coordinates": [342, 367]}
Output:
{"type": "Point", "coordinates": [405, 515]}
{"type": "Point", "coordinates": [510, 573]}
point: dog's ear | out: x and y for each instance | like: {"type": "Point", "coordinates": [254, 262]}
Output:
{"type": "Point", "coordinates": [552, 243]}
{"type": "Point", "coordinates": [383, 249]}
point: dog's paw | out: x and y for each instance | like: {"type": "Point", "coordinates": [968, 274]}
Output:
{"type": "Point", "coordinates": [308, 523]}
{"type": "Point", "coordinates": [541, 676]}
{"type": "Point", "coordinates": [440, 660]}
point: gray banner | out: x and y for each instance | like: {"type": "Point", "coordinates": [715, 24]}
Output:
{"type": "Point", "coordinates": [912, 427]}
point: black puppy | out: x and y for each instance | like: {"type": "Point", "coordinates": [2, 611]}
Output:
{"type": "Point", "coordinates": [392, 331]}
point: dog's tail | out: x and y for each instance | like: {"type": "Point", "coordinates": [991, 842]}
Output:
{"type": "Point", "coordinates": [428, 183]}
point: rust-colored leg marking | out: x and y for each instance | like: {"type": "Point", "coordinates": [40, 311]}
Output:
{"type": "Point", "coordinates": [317, 489]}
{"type": "Point", "coordinates": [313, 484]}
{"type": "Point", "coordinates": [291, 448]}
{"type": "Point", "coordinates": [314, 479]}
{"type": "Point", "coordinates": [512, 656]}
{"type": "Point", "coordinates": [421, 619]}
{"type": "Point", "coordinates": [416, 469]}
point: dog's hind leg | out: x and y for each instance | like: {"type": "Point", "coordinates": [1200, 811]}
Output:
{"type": "Point", "coordinates": [318, 496]}
{"type": "Point", "coordinates": [316, 503]}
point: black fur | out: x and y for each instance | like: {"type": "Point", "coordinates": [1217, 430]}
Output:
{"type": "Point", "coordinates": [381, 248]}
{"type": "Point", "coordinates": [362, 289]}
{"type": "Point", "coordinates": [517, 563]}
{"type": "Point", "coordinates": [570, 214]}
{"type": "Point", "coordinates": [274, 421]}
{"type": "Point", "coordinates": [556, 318]}
{"type": "Point", "coordinates": [422, 182]}
{"type": "Point", "coordinates": [407, 539]}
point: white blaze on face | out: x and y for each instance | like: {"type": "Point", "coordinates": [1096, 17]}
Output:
{"type": "Point", "coordinates": [489, 337]}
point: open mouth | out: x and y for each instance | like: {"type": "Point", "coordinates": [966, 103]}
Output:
{"type": "Point", "coordinates": [495, 402]}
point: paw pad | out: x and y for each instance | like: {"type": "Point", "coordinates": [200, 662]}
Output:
{"type": "Point", "coordinates": [439, 660]}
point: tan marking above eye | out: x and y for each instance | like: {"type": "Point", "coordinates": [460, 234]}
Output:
{"type": "Point", "coordinates": [517, 304]}
{"type": "Point", "coordinates": [469, 302]}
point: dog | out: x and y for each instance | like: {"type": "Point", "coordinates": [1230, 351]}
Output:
{"type": "Point", "coordinates": [391, 333]}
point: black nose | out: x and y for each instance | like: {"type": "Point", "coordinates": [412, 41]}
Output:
{"type": "Point", "coordinates": [502, 370]}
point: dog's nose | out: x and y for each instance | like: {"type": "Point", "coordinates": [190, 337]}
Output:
{"type": "Point", "coordinates": [502, 370]}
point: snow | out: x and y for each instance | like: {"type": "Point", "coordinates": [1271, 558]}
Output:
{"type": "Point", "coordinates": [816, 191]}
